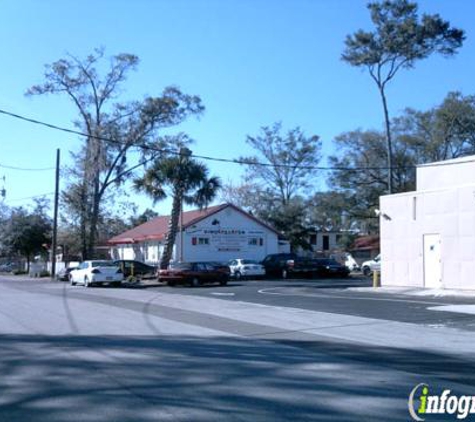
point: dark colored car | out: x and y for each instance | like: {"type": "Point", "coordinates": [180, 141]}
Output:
{"type": "Point", "coordinates": [194, 274]}
{"type": "Point", "coordinates": [63, 273]}
{"type": "Point", "coordinates": [136, 268]}
{"type": "Point", "coordinates": [331, 268]}
{"type": "Point", "coordinates": [286, 265]}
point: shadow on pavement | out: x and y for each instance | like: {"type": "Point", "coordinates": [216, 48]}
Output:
{"type": "Point", "coordinates": [130, 379]}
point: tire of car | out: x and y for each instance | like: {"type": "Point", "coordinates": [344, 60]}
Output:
{"type": "Point", "coordinates": [237, 275]}
{"type": "Point", "coordinates": [195, 282]}
{"type": "Point", "coordinates": [223, 282]}
{"type": "Point", "coordinates": [116, 284]}
{"type": "Point", "coordinates": [71, 281]}
{"type": "Point", "coordinates": [367, 271]}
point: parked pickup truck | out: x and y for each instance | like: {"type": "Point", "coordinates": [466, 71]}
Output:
{"type": "Point", "coordinates": [286, 265]}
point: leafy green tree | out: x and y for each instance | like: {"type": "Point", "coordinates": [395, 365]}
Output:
{"type": "Point", "coordinates": [276, 179]}
{"type": "Point", "coordinates": [328, 211]}
{"type": "Point", "coordinates": [26, 233]}
{"type": "Point", "coordinates": [290, 219]}
{"type": "Point", "coordinates": [100, 165]}
{"type": "Point", "coordinates": [441, 133]}
{"type": "Point", "coordinates": [360, 174]}
{"type": "Point", "coordinates": [399, 40]}
{"type": "Point", "coordinates": [147, 215]}
{"type": "Point", "coordinates": [184, 180]}
{"type": "Point", "coordinates": [5, 214]}
{"type": "Point", "coordinates": [286, 160]}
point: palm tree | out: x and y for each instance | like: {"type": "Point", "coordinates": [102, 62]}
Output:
{"type": "Point", "coordinates": [185, 180]}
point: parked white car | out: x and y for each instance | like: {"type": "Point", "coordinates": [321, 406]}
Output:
{"type": "Point", "coordinates": [96, 272]}
{"type": "Point", "coordinates": [372, 265]}
{"type": "Point", "coordinates": [240, 268]}
{"type": "Point", "coordinates": [351, 263]}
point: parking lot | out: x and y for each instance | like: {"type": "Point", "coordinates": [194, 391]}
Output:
{"type": "Point", "coordinates": [350, 296]}
{"type": "Point", "coordinates": [258, 349]}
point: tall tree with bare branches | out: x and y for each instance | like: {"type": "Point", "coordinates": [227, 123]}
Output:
{"type": "Point", "coordinates": [112, 128]}
{"type": "Point", "coordinates": [399, 40]}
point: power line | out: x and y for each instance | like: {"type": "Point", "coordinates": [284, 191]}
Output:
{"type": "Point", "coordinates": [172, 152]}
{"type": "Point", "coordinates": [30, 197]}
{"type": "Point", "coordinates": [209, 158]}
{"type": "Point", "coordinates": [25, 169]}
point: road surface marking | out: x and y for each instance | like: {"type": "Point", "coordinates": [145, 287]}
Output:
{"type": "Point", "coordinates": [269, 292]}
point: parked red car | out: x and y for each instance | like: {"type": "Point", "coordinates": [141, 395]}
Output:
{"type": "Point", "coordinates": [194, 274]}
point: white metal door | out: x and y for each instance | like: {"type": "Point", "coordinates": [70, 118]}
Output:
{"type": "Point", "coordinates": [432, 261]}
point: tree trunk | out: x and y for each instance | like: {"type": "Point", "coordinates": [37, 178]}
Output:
{"type": "Point", "coordinates": [388, 140]}
{"type": "Point", "coordinates": [83, 223]}
{"type": "Point", "coordinates": [94, 220]}
{"type": "Point", "coordinates": [94, 179]}
{"type": "Point", "coordinates": [172, 231]}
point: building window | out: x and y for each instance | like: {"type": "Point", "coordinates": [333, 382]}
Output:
{"type": "Point", "coordinates": [255, 241]}
{"type": "Point", "coordinates": [414, 208]}
{"type": "Point", "coordinates": [200, 241]}
{"type": "Point", "coordinates": [313, 239]}
{"type": "Point", "coordinates": [203, 241]}
{"type": "Point", "coordinates": [326, 242]}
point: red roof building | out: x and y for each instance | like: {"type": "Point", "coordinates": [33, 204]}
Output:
{"type": "Point", "coordinates": [216, 233]}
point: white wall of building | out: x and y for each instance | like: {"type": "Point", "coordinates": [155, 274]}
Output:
{"type": "Point", "coordinates": [147, 252]}
{"type": "Point", "coordinates": [448, 212]}
{"type": "Point", "coordinates": [446, 174]}
{"type": "Point", "coordinates": [325, 241]}
{"type": "Point", "coordinates": [233, 235]}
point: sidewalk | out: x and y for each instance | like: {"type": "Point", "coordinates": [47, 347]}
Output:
{"type": "Point", "coordinates": [419, 292]}
{"type": "Point", "coordinates": [416, 291]}
{"type": "Point", "coordinates": [268, 322]}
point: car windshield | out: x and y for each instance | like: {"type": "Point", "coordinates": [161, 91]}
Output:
{"type": "Point", "coordinates": [103, 264]}
{"type": "Point", "coordinates": [248, 261]}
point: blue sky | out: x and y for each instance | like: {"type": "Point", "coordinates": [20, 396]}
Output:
{"type": "Point", "coordinates": [253, 62]}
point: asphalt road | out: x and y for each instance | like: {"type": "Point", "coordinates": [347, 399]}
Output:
{"type": "Point", "coordinates": [252, 351]}
{"type": "Point", "coordinates": [341, 297]}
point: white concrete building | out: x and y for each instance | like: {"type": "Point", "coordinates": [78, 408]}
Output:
{"type": "Point", "coordinates": [428, 236]}
{"type": "Point", "coordinates": [217, 233]}
{"type": "Point", "coordinates": [325, 241]}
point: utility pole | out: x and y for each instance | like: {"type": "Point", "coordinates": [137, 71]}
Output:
{"type": "Point", "coordinates": [55, 219]}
